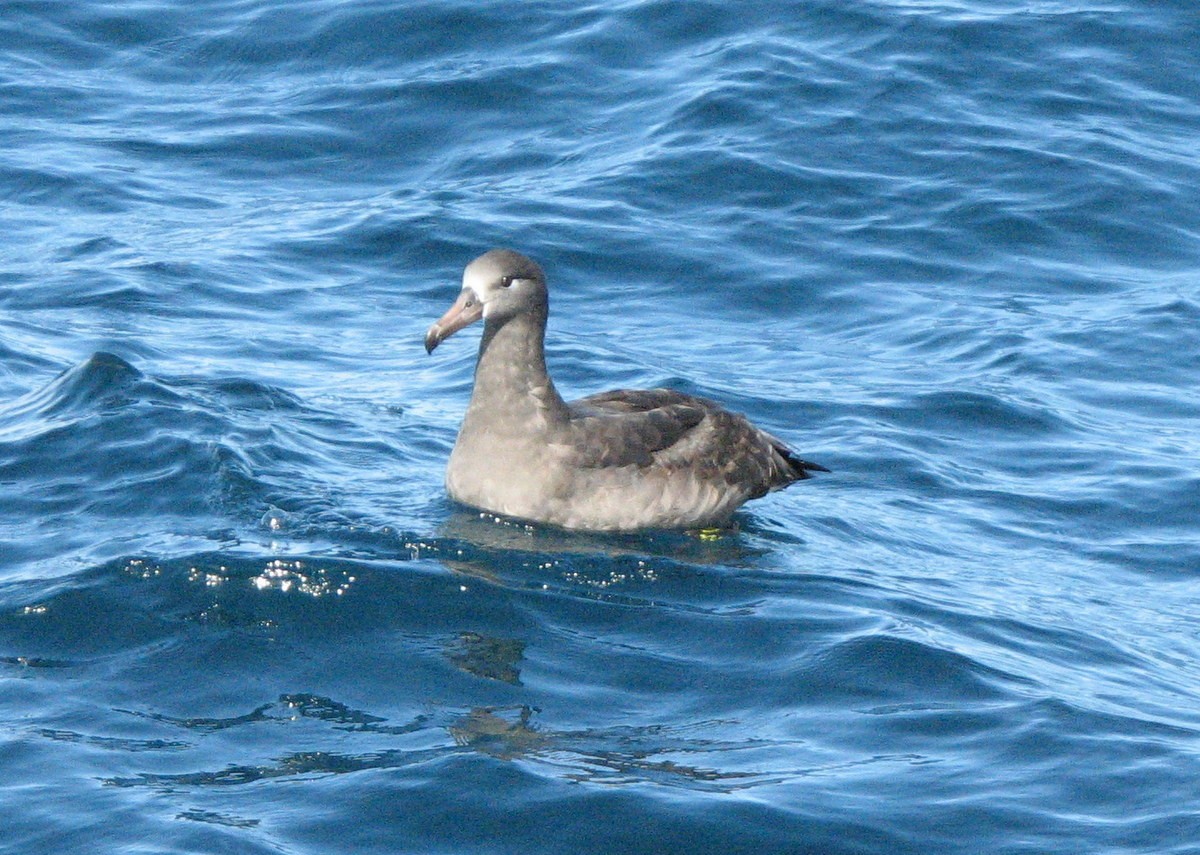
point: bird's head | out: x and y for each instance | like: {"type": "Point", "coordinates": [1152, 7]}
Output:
{"type": "Point", "coordinates": [497, 286]}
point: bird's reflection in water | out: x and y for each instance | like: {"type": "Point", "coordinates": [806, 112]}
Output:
{"type": "Point", "coordinates": [500, 732]}
{"type": "Point", "coordinates": [487, 657]}
{"type": "Point", "coordinates": [644, 568]}
{"type": "Point", "coordinates": [615, 756]}
{"type": "Point", "coordinates": [355, 741]}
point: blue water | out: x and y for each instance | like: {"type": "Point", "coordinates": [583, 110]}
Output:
{"type": "Point", "coordinates": [950, 250]}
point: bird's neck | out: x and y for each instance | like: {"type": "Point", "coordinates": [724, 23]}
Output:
{"type": "Point", "coordinates": [511, 376]}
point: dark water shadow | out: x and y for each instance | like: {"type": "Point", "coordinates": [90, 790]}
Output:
{"type": "Point", "coordinates": [492, 532]}
{"type": "Point", "coordinates": [688, 570]}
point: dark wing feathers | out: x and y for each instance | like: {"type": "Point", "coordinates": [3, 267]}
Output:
{"type": "Point", "coordinates": [673, 430]}
{"type": "Point", "coordinates": [628, 428]}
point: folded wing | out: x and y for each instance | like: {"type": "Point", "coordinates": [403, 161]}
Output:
{"type": "Point", "coordinates": [673, 431]}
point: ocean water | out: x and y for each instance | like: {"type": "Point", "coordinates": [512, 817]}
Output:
{"type": "Point", "coordinates": [950, 250]}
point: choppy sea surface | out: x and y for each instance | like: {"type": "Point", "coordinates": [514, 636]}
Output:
{"type": "Point", "coordinates": [950, 250]}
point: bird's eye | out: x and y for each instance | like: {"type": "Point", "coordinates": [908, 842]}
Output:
{"type": "Point", "coordinates": [507, 281]}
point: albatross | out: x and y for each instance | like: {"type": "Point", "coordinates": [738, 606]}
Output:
{"type": "Point", "coordinates": [617, 461]}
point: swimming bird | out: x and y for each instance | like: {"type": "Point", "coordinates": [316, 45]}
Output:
{"type": "Point", "coordinates": [617, 461]}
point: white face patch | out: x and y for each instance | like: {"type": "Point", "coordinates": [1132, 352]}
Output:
{"type": "Point", "coordinates": [486, 290]}
{"type": "Point", "coordinates": [473, 281]}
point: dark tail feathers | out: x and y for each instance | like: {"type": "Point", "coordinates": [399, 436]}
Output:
{"type": "Point", "coordinates": [796, 469]}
